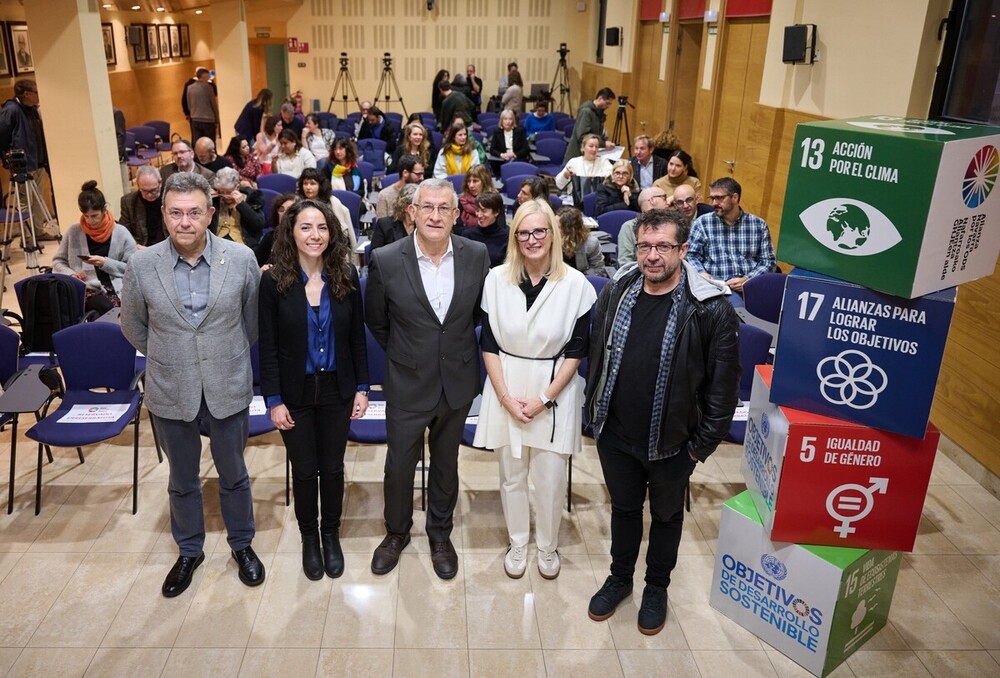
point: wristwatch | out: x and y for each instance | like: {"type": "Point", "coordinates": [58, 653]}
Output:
{"type": "Point", "coordinates": [364, 393]}
{"type": "Point", "coordinates": [549, 404]}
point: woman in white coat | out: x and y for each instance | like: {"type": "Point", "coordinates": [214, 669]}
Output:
{"type": "Point", "coordinates": [536, 319]}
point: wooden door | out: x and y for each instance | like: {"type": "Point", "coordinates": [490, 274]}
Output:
{"type": "Point", "coordinates": [741, 71]}
{"type": "Point", "coordinates": [684, 88]}
{"type": "Point", "coordinates": [650, 113]}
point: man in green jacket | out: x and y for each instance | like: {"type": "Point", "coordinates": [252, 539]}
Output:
{"type": "Point", "coordinates": [590, 120]}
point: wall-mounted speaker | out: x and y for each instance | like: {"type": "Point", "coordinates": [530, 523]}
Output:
{"type": "Point", "coordinates": [613, 36]}
{"type": "Point", "coordinates": [799, 46]}
{"type": "Point", "coordinates": [135, 35]}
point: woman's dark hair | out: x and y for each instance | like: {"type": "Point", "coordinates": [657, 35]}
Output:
{"type": "Point", "coordinates": [314, 117]}
{"type": "Point", "coordinates": [686, 159]}
{"type": "Point", "coordinates": [336, 258]}
{"type": "Point", "coordinates": [276, 205]}
{"type": "Point", "coordinates": [514, 78]}
{"type": "Point", "coordinates": [539, 187]}
{"type": "Point", "coordinates": [91, 198]}
{"type": "Point", "coordinates": [490, 200]}
{"type": "Point", "coordinates": [574, 232]}
{"type": "Point", "coordinates": [444, 73]}
{"type": "Point", "coordinates": [449, 138]}
{"type": "Point", "coordinates": [290, 135]}
{"type": "Point", "coordinates": [481, 172]}
{"type": "Point", "coordinates": [317, 176]}
{"type": "Point", "coordinates": [351, 155]}
{"type": "Point", "coordinates": [270, 122]}
{"type": "Point", "coordinates": [233, 150]}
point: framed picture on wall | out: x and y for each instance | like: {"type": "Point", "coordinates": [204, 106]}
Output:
{"type": "Point", "coordinates": [152, 43]}
{"type": "Point", "coordinates": [139, 49]}
{"type": "Point", "coordinates": [185, 40]}
{"type": "Point", "coordinates": [164, 41]}
{"type": "Point", "coordinates": [20, 48]}
{"type": "Point", "coordinates": [108, 33]}
{"type": "Point", "coordinates": [4, 63]}
{"type": "Point", "coordinates": [175, 41]}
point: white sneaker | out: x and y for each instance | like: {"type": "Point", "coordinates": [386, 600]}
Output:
{"type": "Point", "coordinates": [515, 561]}
{"type": "Point", "coordinates": [548, 564]}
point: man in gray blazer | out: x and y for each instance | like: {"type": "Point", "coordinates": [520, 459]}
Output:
{"type": "Point", "coordinates": [189, 304]}
{"type": "Point", "coordinates": [422, 304]}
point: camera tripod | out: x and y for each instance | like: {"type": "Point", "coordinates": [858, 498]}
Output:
{"type": "Point", "coordinates": [562, 77]}
{"type": "Point", "coordinates": [622, 117]}
{"type": "Point", "coordinates": [23, 191]}
{"type": "Point", "coordinates": [388, 80]}
{"type": "Point", "coordinates": [344, 80]}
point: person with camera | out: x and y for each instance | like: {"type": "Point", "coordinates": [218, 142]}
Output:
{"type": "Point", "coordinates": [590, 118]}
{"type": "Point", "coordinates": [22, 148]}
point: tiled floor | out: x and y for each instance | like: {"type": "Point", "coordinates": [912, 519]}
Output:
{"type": "Point", "coordinates": [79, 584]}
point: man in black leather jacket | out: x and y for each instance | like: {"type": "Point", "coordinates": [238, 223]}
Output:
{"type": "Point", "coordinates": [662, 387]}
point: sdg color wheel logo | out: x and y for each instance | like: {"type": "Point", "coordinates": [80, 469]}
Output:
{"type": "Point", "coordinates": [980, 176]}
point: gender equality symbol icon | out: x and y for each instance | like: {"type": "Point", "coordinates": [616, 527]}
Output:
{"type": "Point", "coordinates": [851, 502]}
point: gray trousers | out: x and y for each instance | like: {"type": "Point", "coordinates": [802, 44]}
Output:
{"type": "Point", "coordinates": [181, 441]}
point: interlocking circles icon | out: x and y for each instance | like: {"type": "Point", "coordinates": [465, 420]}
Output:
{"type": "Point", "coordinates": [851, 378]}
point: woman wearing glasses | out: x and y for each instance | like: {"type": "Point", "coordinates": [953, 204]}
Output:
{"type": "Point", "coordinates": [536, 319]}
{"type": "Point", "coordinates": [619, 191]}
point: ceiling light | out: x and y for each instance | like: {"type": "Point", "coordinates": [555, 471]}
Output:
{"type": "Point", "coordinates": [197, 11]}
{"type": "Point", "coordinates": [107, 5]}
{"type": "Point", "coordinates": [136, 7]}
{"type": "Point", "coordinates": [160, 9]}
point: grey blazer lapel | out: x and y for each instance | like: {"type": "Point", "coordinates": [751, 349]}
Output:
{"type": "Point", "coordinates": [165, 271]}
{"type": "Point", "coordinates": [220, 267]}
{"type": "Point", "coordinates": [412, 269]}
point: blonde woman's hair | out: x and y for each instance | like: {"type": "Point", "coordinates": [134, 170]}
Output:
{"type": "Point", "coordinates": [623, 164]}
{"type": "Point", "coordinates": [516, 271]}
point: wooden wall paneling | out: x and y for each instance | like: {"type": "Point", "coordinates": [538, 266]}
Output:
{"type": "Point", "coordinates": [756, 149]}
{"type": "Point", "coordinates": [258, 69]}
{"type": "Point", "coordinates": [783, 143]}
{"type": "Point", "coordinates": [650, 104]}
{"type": "Point", "coordinates": [732, 90]}
{"type": "Point", "coordinates": [684, 80]}
{"type": "Point", "coordinates": [155, 94]}
{"type": "Point", "coordinates": [698, 144]}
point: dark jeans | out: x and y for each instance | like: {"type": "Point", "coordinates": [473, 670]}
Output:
{"type": "Point", "coordinates": [316, 446]}
{"type": "Point", "coordinates": [628, 474]}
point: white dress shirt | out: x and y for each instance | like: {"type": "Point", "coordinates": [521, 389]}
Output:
{"type": "Point", "coordinates": [438, 279]}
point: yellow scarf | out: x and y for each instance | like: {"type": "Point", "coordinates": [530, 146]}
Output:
{"type": "Point", "coordinates": [450, 160]}
{"type": "Point", "coordinates": [339, 170]}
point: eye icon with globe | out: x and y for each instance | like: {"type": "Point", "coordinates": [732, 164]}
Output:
{"type": "Point", "coordinates": [849, 226]}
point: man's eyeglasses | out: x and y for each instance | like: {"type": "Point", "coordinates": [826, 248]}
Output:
{"type": "Point", "coordinates": [685, 201]}
{"type": "Point", "coordinates": [537, 234]}
{"type": "Point", "coordinates": [645, 248]}
{"type": "Point", "coordinates": [719, 198]}
{"type": "Point", "coordinates": [177, 216]}
{"type": "Point", "coordinates": [442, 210]}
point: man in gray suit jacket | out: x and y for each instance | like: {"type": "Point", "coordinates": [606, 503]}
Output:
{"type": "Point", "coordinates": [422, 304]}
{"type": "Point", "coordinates": [189, 304]}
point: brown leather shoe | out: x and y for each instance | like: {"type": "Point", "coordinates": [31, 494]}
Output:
{"type": "Point", "coordinates": [444, 558]}
{"type": "Point", "coordinates": [387, 554]}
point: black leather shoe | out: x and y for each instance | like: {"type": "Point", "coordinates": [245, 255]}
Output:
{"type": "Point", "coordinates": [251, 569]}
{"type": "Point", "coordinates": [333, 555]}
{"type": "Point", "coordinates": [181, 574]}
{"type": "Point", "coordinates": [444, 558]}
{"type": "Point", "coordinates": [387, 554]}
{"type": "Point", "coordinates": [312, 559]}
{"type": "Point", "coordinates": [653, 611]}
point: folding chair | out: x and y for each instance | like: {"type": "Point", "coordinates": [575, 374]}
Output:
{"type": "Point", "coordinates": [352, 201]}
{"type": "Point", "coordinates": [762, 296]}
{"type": "Point", "coordinates": [456, 180]}
{"type": "Point", "coordinates": [162, 128]}
{"type": "Point", "coordinates": [280, 183]}
{"type": "Point", "coordinates": [554, 150]}
{"type": "Point", "coordinates": [373, 151]}
{"type": "Point", "coordinates": [40, 351]}
{"type": "Point", "coordinates": [516, 168]}
{"type": "Point", "coordinates": [755, 347]}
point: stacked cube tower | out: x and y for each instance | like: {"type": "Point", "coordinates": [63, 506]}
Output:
{"type": "Point", "coordinates": [883, 217]}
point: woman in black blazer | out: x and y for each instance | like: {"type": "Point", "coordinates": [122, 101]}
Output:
{"type": "Point", "coordinates": [509, 142]}
{"type": "Point", "coordinates": [314, 368]}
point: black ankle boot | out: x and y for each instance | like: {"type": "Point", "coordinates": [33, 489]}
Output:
{"type": "Point", "coordinates": [333, 556]}
{"type": "Point", "coordinates": [312, 559]}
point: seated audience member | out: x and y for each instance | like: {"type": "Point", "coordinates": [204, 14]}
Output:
{"type": "Point", "coordinates": [344, 172]}
{"type": "Point", "coordinates": [454, 104]}
{"type": "Point", "coordinates": [292, 158]}
{"type": "Point", "coordinates": [679, 171]}
{"type": "Point", "coordinates": [491, 229]}
{"type": "Point", "coordinates": [730, 245]}
{"type": "Point", "coordinates": [539, 121]}
{"type": "Point", "coordinates": [651, 198]}
{"type": "Point", "coordinates": [513, 98]}
{"type": "Point", "coordinates": [415, 142]}
{"type": "Point", "coordinates": [646, 167]}
{"type": "Point", "coordinates": [96, 251]}
{"type": "Point", "coordinates": [533, 188]}
{"type": "Point", "coordinates": [363, 108]}
{"type": "Point", "coordinates": [397, 225]}
{"type": "Point", "coordinates": [580, 247]}
{"type": "Point", "coordinates": [208, 157]}
{"type": "Point", "coordinates": [239, 210]}
{"type": "Point", "coordinates": [183, 154]}
{"type": "Point", "coordinates": [266, 147]}
{"type": "Point", "coordinates": [411, 171]}
{"type": "Point", "coordinates": [688, 203]}
{"type": "Point", "coordinates": [665, 143]}
{"type": "Point", "coordinates": [314, 185]}
{"type": "Point", "coordinates": [376, 126]}
{"type": "Point", "coordinates": [509, 141]}
{"type": "Point", "coordinates": [243, 161]}
{"type": "Point", "coordinates": [588, 165]}
{"type": "Point", "coordinates": [457, 154]}
{"type": "Point", "coordinates": [477, 181]}
{"type": "Point", "coordinates": [619, 191]}
{"type": "Point", "coordinates": [278, 208]}
{"type": "Point", "coordinates": [291, 121]}
{"type": "Point", "coordinates": [316, 139]}
{"type": "Point", "coordinates": [141, 210]}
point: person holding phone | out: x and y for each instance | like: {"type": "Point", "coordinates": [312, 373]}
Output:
{"type": "Point", "coordinates": [95, 251]}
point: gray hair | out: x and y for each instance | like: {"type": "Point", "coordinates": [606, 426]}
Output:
{"type": "Point", "coordinates": [226, 177]}
{"type": "Point", "coordinates": [147, 169]}
{"type": "Point", "coordinates": [187, 182]}
{"type": "Point", "coordinates": [435, 185]}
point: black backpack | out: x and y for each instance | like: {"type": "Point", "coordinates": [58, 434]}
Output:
{"type": "Point", "coordinates": [49, 303]}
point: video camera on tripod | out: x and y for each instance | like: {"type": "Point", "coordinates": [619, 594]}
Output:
{"type": "Point", "coordinates": [16, 161]}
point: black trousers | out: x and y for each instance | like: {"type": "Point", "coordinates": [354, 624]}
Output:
{"type": "Point", "coordinates": [405, 436]}
{"type": "Point", "coordinates": [628, 475]}
{"type": "Point", "coordinates": [316, 446]}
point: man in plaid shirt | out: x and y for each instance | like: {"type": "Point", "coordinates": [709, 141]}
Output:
{"type": "Point", "coordinates": [730, 245]}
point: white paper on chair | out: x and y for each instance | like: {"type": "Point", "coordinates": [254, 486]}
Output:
{"type": "Point", "coordinates": [376, 411]}
{"type": "Point", "coordinates": [93, 414]}
{"type": "Point", "coordinates": [257, 406]}
{"type": "Point", "coordinates": [742, 412]}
